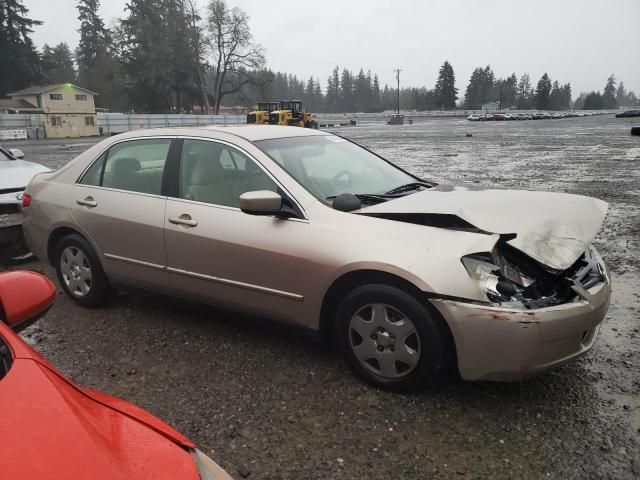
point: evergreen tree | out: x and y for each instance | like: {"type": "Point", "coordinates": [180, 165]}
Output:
{"type": "Point", "coordinates": [579, 103]}
{"type": "Point", "coordinates": [57, 64]}
{"type": "Point", "coordinates": [362, 91]}
{"type": "Point", "coordinates": [543, 91]}
{"type": "Point", "coordinates": [375, 101]}
{"type": "Point", "coordinates": [505, 91]}
{"type": "Point", "coordinates": [609, 95]}
{"type": "Point", "coordinates": [333, 91]}
{"type": "Point", "coordinates": [445, 90]}
{"type": "Point", "coordinates": [18, 56]}
{"type": "Point", "coordinates": [555, 97]}
{"type": "Point", "coordinates": [480, 88]}
{"type": "Point", "coordinates": [145, 58]}
{"type": "Point", "coordinates": [566, 96]}
{"type": "Point", "coordinates": [347, 103]}
{"type": "Point", "coordinates": [593, 101]}
{"type": "Point", "coordinates": [621, 94]}
{"type": "Point", "coordinates": [98, 63]}
{"type": "Point", "coordinates": [524, 93]}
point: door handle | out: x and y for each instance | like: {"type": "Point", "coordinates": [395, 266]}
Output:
{"type": "Point", "coordinates": [87, 202]}
{"type": "Point", "coordinates": [183, 220]}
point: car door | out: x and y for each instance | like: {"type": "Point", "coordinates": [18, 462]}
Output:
{"type": "Point", "coordinates": [119, 204]}
{"type": "Point", "coordinates": [219, 254]}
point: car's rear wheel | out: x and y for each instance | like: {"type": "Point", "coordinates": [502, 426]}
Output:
{"type": "Point", "coordinates": [389, 338]}
{"type": "Point", "coordinates": [80, 272]}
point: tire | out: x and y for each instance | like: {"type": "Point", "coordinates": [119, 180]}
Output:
{"type": "Point", "coordinates": [390, 339]}
{"type": "Point", "coordinates": [635, 131]}
{"type": "Point", "coordinates": [80, 273]}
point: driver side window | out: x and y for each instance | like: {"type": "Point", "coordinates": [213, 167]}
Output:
{"type": "Point", "coordinates": [215, 173]}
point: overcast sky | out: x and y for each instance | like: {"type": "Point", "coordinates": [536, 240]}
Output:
{"type": "Point", "coordinates": [577, 41]}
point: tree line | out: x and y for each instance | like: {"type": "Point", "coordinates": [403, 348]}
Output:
{"type": "Point", "coordinates": [165, 56]}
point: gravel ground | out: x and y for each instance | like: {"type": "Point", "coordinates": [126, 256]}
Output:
{"type": "Point", "coordinates": [269, 404]}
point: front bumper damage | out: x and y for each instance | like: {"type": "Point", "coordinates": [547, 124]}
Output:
{"type": "Point", "coordinates": [505, 344]}
{"type": "Point", "coordinates": [11, 219]}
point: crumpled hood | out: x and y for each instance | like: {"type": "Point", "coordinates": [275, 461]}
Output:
{"type": "Point", "coordinates": [553, 228]}
{"type": "Point", "coordinates": [18, 173]}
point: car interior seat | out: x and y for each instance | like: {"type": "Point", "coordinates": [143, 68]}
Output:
{"type": "Point", "coordinates": [207, 182]}
{"type": "Point", "coordinates": [125, 175]}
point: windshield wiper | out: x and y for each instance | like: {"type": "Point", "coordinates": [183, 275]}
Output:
{"type": "Point", "coordinates": [407, 187]}
{"type": "Point", "coordinates": [366, 198]}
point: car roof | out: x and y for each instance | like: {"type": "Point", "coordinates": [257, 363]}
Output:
{"type": "Point", "coordinates": [251, 133]}
{"type": "Point", "coordinates": [264, 132]}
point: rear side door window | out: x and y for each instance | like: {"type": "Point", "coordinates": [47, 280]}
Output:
{"type": "Point", "coordinates": [215, 173]}
{"type": "Point", "coordinates": [135, 166]}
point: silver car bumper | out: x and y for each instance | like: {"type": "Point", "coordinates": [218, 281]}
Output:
{"type": "Point", "coordinates": [504, 344]}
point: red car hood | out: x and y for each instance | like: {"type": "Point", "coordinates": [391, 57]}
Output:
{"type": "Point", "coordinates": [53, 429]}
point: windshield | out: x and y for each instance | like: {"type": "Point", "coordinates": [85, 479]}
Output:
{"type": "Point", "coordinates": [327, 166]}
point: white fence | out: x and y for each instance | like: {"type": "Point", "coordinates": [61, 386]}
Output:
{"type": "Point", "coordinates": [112, 123]}
{"type": "Point", "coordinates": [21, 120]}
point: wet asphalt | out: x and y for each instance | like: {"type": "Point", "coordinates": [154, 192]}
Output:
{"type": "Point", "coordinates": [268, 403]}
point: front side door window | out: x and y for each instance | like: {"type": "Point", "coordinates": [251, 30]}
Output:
{"type": "Point", "coordinates": [214, 173]}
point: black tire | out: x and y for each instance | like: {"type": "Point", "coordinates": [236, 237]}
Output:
{"type": "Point", "coordinates": [428, 340]}
{"type": "Point", "coordinates": [635, 131]}
{"type": "Point", "coordinates": [313, 125]}
{"type": "Point", "coordinates": [99, 290]}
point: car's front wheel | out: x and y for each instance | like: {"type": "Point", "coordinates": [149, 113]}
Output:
{"type": "Point", "coordinates": [80, 272]}
{"type": "Point", "coordinates": [389, 338]}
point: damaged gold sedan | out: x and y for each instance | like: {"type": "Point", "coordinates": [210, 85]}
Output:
{"type": "Point", "coordinates": [306, 227]}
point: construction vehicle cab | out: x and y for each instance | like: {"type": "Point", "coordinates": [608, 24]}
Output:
{"type": "Point", "coordinates": [292, 113]}
{"type": "Point", "coordinates": [261, 115]}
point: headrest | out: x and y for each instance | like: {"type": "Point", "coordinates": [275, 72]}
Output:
{"type": "Point", "coordinates": [125, 165]}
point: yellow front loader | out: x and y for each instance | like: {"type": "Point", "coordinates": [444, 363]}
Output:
{"type": "Point", "coordinates": [261, 115]}
{"type": "Point", "coordinates": [291, 113]}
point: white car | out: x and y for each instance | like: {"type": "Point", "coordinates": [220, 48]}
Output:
{"type": "Point", "coordinates": [15, 174]}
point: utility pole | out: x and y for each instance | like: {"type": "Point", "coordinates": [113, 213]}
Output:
{"type": "Point", "coordinates": [397, 70]}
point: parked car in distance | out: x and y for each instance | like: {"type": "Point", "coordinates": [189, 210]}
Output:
{"type": "Point", "coordinates": [500, 116]}
{"type": "Point", "coordinates": [15, 174]}
{"type": "Point", "coordinates": [312, 229]}
{"type": "Point", "coordinates": [628, 114]}
{"type": "Point", "coordinates": [52, 428]}
{"type": "Point", "coordinates": [474, 117]}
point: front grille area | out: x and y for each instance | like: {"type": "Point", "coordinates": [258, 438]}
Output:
{"type": "Point", "coordinates": [11, 190]}
{"type": "Point", "coordinates": [9, 208]}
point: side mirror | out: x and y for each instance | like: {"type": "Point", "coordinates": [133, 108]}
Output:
{"type": "Point", "coordinates": [261, 202]}
{"type": "Point", "coordinates": [17, 153]}
{"type": "Point", "coordinates": [24, 298]}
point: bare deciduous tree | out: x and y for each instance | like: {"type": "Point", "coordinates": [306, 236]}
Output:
{"type": "Point", "coordinates": [235, 55]}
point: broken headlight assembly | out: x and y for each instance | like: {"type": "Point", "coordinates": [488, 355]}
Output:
{"type": "Point", "coordinates": [508, 278]}
{"type": "Point", "coordinates": [495, 287]}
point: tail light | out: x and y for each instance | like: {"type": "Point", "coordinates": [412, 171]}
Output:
{"type": "Point", "coordinates": [26, 200]}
